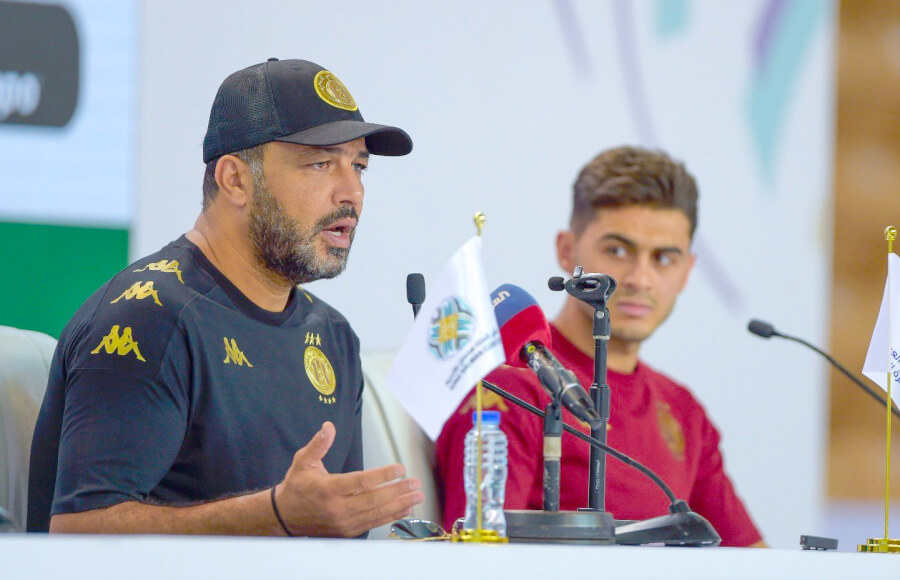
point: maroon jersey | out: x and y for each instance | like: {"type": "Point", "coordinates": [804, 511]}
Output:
{"type": "Point", "coordinates": [653, 419]}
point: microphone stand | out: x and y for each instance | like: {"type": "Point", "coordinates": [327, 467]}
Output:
{"type": "Point", "coordinates": [595, 290]}
{"type": "Point", "coordinates": [680, 527]}
{"type": "Point", "coordinates": [552, 453]}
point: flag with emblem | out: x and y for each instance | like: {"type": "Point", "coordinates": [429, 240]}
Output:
{"type": "Point", "coordinates": [453, 343]}
{"type": "Point", "coordinates": [884, 349]}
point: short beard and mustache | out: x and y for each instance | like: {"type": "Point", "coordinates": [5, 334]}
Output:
{"type": "Point", "coordinates": [286, 251]}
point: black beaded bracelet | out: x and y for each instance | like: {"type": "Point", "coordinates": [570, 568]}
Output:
{"type": "Point", "coordinates": [278, 515]}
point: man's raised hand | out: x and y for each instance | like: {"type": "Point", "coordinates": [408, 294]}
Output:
{"type": "Point", "coordinates": [313, 502]}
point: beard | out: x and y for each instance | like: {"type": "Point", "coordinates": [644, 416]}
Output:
{"type": "Point", "coordinates": [284, 249]}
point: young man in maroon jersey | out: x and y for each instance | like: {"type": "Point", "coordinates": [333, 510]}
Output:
{"type": "Point", "coordinates": [633, 217]}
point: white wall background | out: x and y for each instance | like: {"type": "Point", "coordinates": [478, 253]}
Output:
{"type": "Point", "coordinates": [505, 104]}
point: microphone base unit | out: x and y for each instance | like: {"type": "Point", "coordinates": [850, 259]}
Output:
{"type": "Point", "coordinates": [587, 526]}
{"type": "Point", "coordinates": [688, 529]}
{"type": "Point", "coordinates": [563, 527]}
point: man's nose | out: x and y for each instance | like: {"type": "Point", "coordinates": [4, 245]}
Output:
{"type": "Point", "coordinates": [639, 275]}
{"type": "Point", "coordinates": [348, 190]}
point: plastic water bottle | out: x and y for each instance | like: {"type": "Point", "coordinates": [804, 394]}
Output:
{"type": "Point", "coordinates": [493, 474]}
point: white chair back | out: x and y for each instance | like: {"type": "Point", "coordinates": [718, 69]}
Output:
{"type": "Point", "coordinates": [390, 435]}
{"type": "Point", "coordinates": [25, 357]}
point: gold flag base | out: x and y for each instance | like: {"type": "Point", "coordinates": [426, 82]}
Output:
{"type": "Point", "coordinates": [880, 545]}
{"type": "Point", "coordinates": [480, 536]}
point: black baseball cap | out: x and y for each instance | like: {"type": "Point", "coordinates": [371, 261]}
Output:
{"type": "Point", "coordinates": [296, 101]}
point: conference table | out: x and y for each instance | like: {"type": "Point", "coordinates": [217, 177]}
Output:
{"type": "Point", "coordinates": [36, 556]}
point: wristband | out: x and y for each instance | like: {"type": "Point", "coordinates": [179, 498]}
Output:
{"type": "Point", "coordinates": [278, 515]}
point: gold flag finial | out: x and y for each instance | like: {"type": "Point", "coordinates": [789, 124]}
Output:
{"type": "Point", "coordinates": [479, 219]}
{"type": "Point", "coordinates": [890, 235]}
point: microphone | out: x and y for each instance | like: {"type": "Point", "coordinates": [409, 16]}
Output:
{"type": "Point", "coordinates": [761, 328]}
{"type": "Point", "coordinates": [766, 330]}
{"type": "Point", "coordinates": [415, 291]}
{"type": "Point", "coordinates": [525, 334]}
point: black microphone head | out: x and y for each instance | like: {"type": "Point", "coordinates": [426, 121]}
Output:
{"type": "Point", "coordinates": [761, 328]}
{"type": "Point", "coordinates": [556, 283]}
{"type": "Point", "coordinates": [415, 288]}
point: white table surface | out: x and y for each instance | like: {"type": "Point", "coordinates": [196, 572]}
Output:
{"type": "Point", "coordinates": [91, 557]}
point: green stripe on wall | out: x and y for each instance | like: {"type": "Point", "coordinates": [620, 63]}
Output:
{"type": "Point", "coordinates": [47, 272]}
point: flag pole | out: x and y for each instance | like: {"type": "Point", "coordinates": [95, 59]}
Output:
{"type": "Point", "coordinates": [886, 544]}
{"type": "Point", "coordinates": [890, 234]}
{"type": "Point", "coordinates": [479, 534]}
{"type": "Point", "coordinates": [479, 219]}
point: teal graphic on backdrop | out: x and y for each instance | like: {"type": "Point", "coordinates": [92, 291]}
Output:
{"type": "Point", "coordinates": [785, 32]}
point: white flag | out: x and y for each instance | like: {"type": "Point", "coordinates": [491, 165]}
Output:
{"type": "Point", "coordinates": [884, 350]}
{"type": "Point", "coordinates": [453, 343]}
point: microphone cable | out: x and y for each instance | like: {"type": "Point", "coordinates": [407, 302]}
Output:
{"type": "Point", "coordinates": [765, 330]}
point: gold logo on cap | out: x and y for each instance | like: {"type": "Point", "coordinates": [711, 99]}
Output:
{"type": "Point", "coordinates": [331, 90]}
{"type": "Point", "coordinates": [319, 370]}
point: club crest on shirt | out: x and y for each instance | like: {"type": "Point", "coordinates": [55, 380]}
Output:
{"type": "Point", "coordinates": [670, 429]}
{"type": "Point", "coordinates": [320, 374]}
{"type": "Point", "coordinates": [489, 400]}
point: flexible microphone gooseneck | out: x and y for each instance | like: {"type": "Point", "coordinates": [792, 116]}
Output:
{"type": "Point", "coordinates": [767, 330]}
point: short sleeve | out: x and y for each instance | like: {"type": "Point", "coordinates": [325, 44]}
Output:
{"type": "Point", "coordinates": [126, 408]}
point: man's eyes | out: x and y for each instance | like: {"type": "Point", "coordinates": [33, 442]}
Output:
{"type": "Point", "coordinates": [360, 168]}
{"type": "Point", "coordinates": [617, 251]}
{"type": "Point", "coordinates": [665, 259]}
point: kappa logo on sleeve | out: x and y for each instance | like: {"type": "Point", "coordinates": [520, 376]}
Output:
{"type": "Point", "coordinates": [234, 355]}
{"type": "Point", "coordinates": [120, 344]}
{"type": "Point", "coordinates": [163, 266]}
{"type": "Point", "coordinates": [139, 290]}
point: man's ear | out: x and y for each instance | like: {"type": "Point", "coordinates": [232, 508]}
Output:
{"type": "Point", "coordinates": [565, 250]}
{"type": "Point", "coordinates": [235, 180]}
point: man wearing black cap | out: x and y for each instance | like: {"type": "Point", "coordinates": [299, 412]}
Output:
{"type": "Point", "coordinates": [181, 391]}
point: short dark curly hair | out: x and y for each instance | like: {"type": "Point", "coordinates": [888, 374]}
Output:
{"type": "Point", "coordinates": [627, 176]}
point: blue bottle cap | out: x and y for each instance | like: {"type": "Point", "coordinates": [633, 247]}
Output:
{"type": "Point", "coordinates": [490, 417]}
